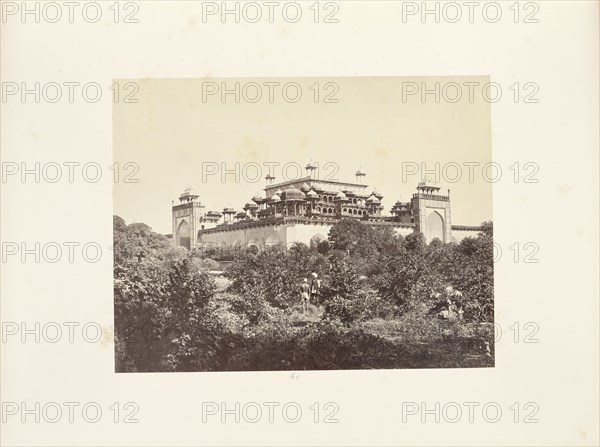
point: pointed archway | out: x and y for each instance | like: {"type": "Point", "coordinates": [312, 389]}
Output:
{"type": "Point", "coordinates": [435, 227]}
{"type": "Point", "coordinates": [183, 234]}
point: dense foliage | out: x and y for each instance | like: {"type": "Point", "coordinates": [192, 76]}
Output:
{"type": "Point", "coordinates": [161, 304]}
{"type": "Point", "coordinates": [416, 276]}
{"type": "Point", "coordinates": [386, 302]}
{"type": "Point", "coordinates": [275, 274]}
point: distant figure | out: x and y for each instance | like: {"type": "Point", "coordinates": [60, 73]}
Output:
{"type": "Point", "coordinates": [304, 289]}
{"type": "Point", "coordinates": [315, 289]}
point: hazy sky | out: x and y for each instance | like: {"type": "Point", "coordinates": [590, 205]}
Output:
{"type": "Point", "coordinates": [181, 126]}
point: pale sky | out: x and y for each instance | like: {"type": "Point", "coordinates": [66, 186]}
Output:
{"type": "Point", "coordinates": [173, 131]}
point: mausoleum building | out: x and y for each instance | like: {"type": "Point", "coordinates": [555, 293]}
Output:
{"type": "Point", "coordinates": [304, 210]}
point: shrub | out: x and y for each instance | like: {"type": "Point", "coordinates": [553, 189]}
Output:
{"type": "Point", "coordinates": [253, 307]}
{"type": "Point", "coordinates": [274, 274]}
{"type": "Point", "coordinates": [342, 280]}
{"type": "Point", "coordinates": [411, 278]}
{"type": "Point", "coordinates": [208, 264]}
{"type": "Point", "coordinates": [161, 318]}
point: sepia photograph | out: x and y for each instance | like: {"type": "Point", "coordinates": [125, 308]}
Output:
{"type": "Point", "coordinates": [299, 223]}
{"type": "Point", "coordinates": [304, 224]}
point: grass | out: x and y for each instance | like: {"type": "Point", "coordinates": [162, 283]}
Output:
{"type": "Point", "coordinates": [298, 318]}
{"type": "Point", "coordinates": [409, 328]}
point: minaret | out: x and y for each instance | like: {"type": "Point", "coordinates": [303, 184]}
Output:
{"type": "Point", "coordinates": [228, 214]}
{"type": "Point", "coordinates": [309, 169]}
{"type": "Point", "coordinates": [360, 177]}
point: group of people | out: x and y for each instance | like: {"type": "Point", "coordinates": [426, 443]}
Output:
{"type": "Point", "coordinates": [309, 292]}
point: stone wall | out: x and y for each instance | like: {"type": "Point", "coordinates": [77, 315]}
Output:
{"type": "Point", "coordinates": [287, 233]}
{"type": "Point", "coordinates": [461, 232]}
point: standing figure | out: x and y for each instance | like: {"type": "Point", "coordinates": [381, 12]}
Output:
{"type": "Point", "coordinates": [304, 296]}
{"type": "Point", "coordinates": [315, 289]}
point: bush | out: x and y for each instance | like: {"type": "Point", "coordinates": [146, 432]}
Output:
{"type": "Point", "coordinates": [406, 312]}
{"type": "Point", "coordinates": [318, 346]}
{"type": "Point", "coordinates": [362, 306]}
{"type": "Point", "coordinates": [253, 307]}
{"type": "Point", "coordinates": [208, 264]}
{"type": "Point", "coordinates": [342, 280]}
{"type": "Point", "coordinates": [274, 274]}
{"type": "Point", "coordinates": [161, 316]}
{"type": "Point", "coordinates": [410, 279]}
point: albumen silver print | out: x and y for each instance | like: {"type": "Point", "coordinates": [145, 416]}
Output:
{"type": "Point", "coordinates": [286, 256]}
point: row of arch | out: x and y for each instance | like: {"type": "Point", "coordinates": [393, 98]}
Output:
{"type": "Point", "coordinates": [325, 210]}
{"type": "Point", "coordinates": [331, 199]}
{"type": "Point", "coordinates": [255, 243]}
{"type": "Point", "coordinates": [183, 230]}
{"type": "Point", "coordinates": [353, 211]}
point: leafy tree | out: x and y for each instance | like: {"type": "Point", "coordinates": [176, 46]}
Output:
{"type": "Point", "coordinates": [161, 303]}
{"type": "Point", "coordinates": [167, 317]}
{"type": "Point", "coordinates": [353, 237]}
{"type": "Point", "coordinates": [342, 293]}
{"type": "Point", "coordinates": [275, 274]}
{"type": "Point", "coordinates": [363, 243]}
{"type": "Point", "coordinates": [342, 280]}
{"type": "Point", "coordinates": [411, 276]}
{"type": "Point", "coordinates": [415, 242]}
{"type": "Point", "coordinates": [136, 241]}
